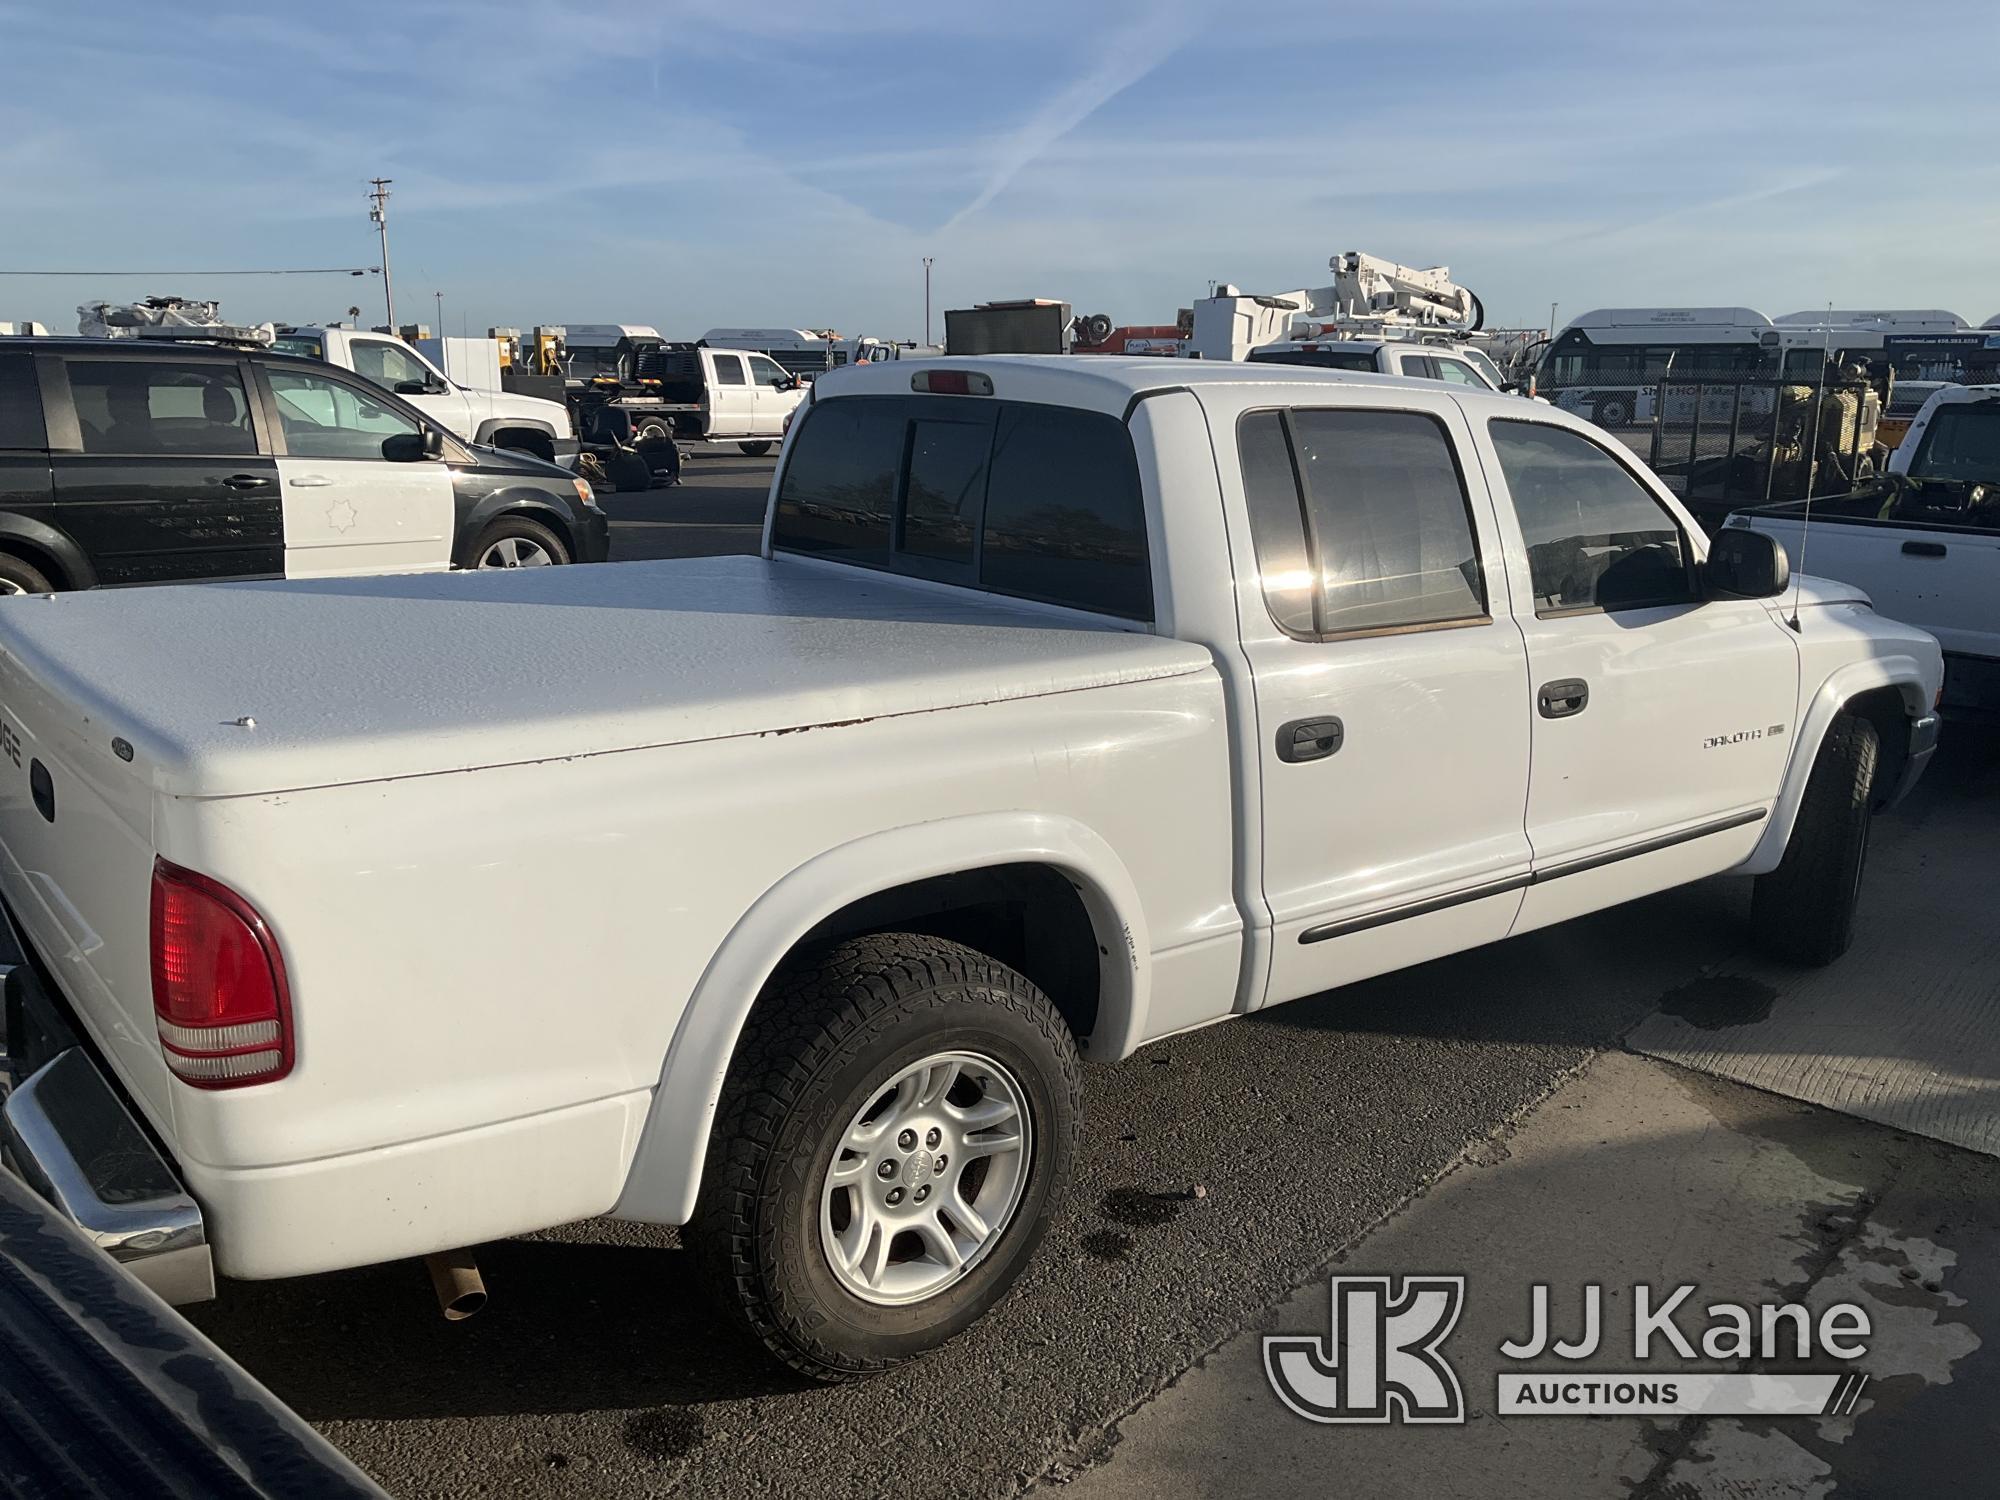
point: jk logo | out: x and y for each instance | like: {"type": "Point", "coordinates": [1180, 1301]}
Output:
{"type": "Point", "coordinates": [1381, 1362]}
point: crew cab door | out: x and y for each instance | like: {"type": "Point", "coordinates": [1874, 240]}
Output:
{"type": "Point", "coordinates": [396, 367]}
{"type": "Point", "coordinates": [1662, 721]}
{"type": "Point", "coordinates": [775, 394]}
{"type": "Point", "coordinates": [1390, 684]}
{"type": "Point", "coordinates": [159, 472]}
{"type": "Point", "coordinates": [348, 507]}
{"type": "Point", "coordinates": [732, 400]}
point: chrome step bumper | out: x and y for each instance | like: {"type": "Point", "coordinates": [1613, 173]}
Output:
{"type": "Point", "coordinates": [65, 1133]}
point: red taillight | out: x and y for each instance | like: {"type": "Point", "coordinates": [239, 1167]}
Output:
{"type": "Point", "coordinates": [219, 996]}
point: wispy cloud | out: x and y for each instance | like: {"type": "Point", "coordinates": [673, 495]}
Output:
{"type": "Point", "coordinates": [1796, 183]}
{"type": "Point", "coordinates": [1126, 56]}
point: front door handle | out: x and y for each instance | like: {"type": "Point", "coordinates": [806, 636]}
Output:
{"type": "Point", "coordinates": [246, 481]}
{"type": "Point", "coordinates": [1924, 549]}
{"type": "Point", "coordinates": [1309, 739]}
{"type": "Point", "coordinates": [310, 482]}
{"type": "Point", "coordinates": [1560, 699]}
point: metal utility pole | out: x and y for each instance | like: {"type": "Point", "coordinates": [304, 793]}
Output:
{"type": "Point", "coordinates": [927, 301]}
{"type": "Point", "coordinates": [1552, 318]}
{"type": "Point", "coordinates": [440, 316]}
{"type": "Point", "coordinates": [378, 199]}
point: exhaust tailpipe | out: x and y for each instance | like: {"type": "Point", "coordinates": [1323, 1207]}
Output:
{"type": "Point", "coordinates": [455, 1278]}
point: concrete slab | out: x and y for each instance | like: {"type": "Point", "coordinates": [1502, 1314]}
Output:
{"type": "Point", "coordinates": [1905, 1029]}
{"type": "Point", "coordinates": [1635, 1172]}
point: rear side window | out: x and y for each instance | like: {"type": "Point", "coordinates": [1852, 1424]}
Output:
{"type": "Point", "coordinates": [1320, 359]}
{"type": "Point", "coordinates": [729, 370]}
{"type": "Point", "coordinates": [1382, 537]}
{"type": "Point", "coordinates": [131, 407]}
{"type": "Point", "coordinates": [1597, 538]}
{"type": "Point", "coordinates": [1041, 502]}
{"type": "Point", "coordinates": [20, 403]}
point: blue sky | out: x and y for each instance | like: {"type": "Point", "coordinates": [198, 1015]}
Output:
{"type": "Point", "coordinates": [689, 163]}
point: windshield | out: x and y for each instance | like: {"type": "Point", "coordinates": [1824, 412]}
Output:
{"type": "Point", "coordinates": [1962, 444]}
{"type": "Point", "coordinates": [1484, 366]}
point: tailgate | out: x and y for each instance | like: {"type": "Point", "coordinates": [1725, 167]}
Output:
{"type": "Point", "coordinates": [76, 865]}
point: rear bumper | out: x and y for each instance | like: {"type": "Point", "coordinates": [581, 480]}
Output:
{"type": "Point", "coordinates": [65, 1133]}
{"type": "Point", "coordinates": [1971, 686]}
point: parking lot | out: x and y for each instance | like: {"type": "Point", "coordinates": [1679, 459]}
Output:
{"type": "Point", "coordinates": [1220, 1172]}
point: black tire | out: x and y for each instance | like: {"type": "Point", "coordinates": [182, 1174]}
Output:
{"type": "Point", "coordinates": [534, 444]}
{"type": "Point", "coordinates": [756, 450]}
{"type": "Point", "coordinates": [1612, 411]}
{"type": "Point", "coordinates": [652, 428]}
{"type": "Point", "coordinates": [1803, 911]}
{"type": "Point", "coordinates": [517, 529]}
{"type": "Point", "coordinates": [628, 471]}
{"type": "Point", "coordinates": [18, 576]}
{"type": "Point", "coordinates": [828, 1035]}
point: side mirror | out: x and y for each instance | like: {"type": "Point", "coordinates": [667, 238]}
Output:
{"type": "Point", "coordinates": [412, 447]}
{"type": "Point", "coordinates": [1745, 564]}
{"type": "Point", "coordinates": [413, 387]}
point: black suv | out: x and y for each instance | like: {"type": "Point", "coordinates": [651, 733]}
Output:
{"type": "Point", "coordinates": [154, 461]}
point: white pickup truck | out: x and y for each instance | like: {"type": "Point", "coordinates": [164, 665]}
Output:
{"type": "Point", "coordinates": [1923, 541]}
{"type": "Point", "coordinates": [498, 419]}
{"type": "Point", "coordinates": [1069, 704]}
{"type": "Point", "coordinates": [691, 393]}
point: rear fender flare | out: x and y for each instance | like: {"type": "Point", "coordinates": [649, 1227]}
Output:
{"type": "Point", "coordinates": [665, 1176]}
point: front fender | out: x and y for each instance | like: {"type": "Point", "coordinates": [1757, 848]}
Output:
{"type": "Point", "coordinates": [666, 1171]}
{"type": "Point", "coordinates": [1903, 672]}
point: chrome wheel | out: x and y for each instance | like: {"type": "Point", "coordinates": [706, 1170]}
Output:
{"type": "Point", "coordinates": [515, 552]}
{"type": "Point", "coordinates": [926, 1178]}
{"type": "Point", "coordinates": [8, 586]}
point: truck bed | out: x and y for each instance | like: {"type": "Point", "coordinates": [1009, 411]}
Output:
{"type": "Point", "coordinates": [360, 679]}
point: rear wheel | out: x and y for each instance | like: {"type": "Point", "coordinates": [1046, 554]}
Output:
{"type": "Point", "coordinates": [517, 542]}
{"type": "Point", "coordinates": [899, 1117]}
{"type": "Point", "coordinates": [1803, 911]}
{"type": "Point", "coordinates": [756, 450]}
{"type": "Point", "coordinates": [18, 576]}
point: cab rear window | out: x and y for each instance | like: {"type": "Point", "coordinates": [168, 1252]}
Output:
{"type": "Point", "coordinates": [1041, 502]}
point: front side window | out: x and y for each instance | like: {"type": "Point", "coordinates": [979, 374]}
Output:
{"type": "Point", "coordinates": [133, 406]}
{"type": "Point", "coordinates": [729, 370]}
{"type": "Point", "coordinates": [1457, 374]}
{"type": "Point", "coordinates": [390, 366]}
{"type": "Point", "coordinates": [324, 418]}
{"type": "Point", "coordinates": [1037, 501]}
{"type": "Point", "coordinates": [1360, 520]}
{"type": "Point", "coordinates": [1597, 538]}
{"type": "Point", "coordinates": [768, 372]}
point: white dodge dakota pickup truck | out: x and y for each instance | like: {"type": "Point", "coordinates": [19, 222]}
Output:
{"type": "Point", "coordinates": [1069, 704]}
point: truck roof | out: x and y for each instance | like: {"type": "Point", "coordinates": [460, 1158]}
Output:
{"type": "Point", "coordinates": [1107, 382]}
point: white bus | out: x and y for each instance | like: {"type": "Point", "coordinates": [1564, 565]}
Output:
{"type": "Point", "coordinates": [1609, 364]}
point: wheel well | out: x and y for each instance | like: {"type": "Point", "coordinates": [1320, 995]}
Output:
{"type": "Point", "coordinates": [1885, 709]}
{"type": "Point", "coordinates": [38, 558]}
{"type": "Point", "coordinates": [525, 440]}
{"type": "Point", "coordinates": [1028, 916]}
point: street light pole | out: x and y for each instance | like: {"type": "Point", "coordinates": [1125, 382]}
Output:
{"type": "Point", "coordinates": [1552, 318]}
{"type": "Point", "coordinates": [927, 302]}
{"type": "Point", "coordinates": [378, 199]}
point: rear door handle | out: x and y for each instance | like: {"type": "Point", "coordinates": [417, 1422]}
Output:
{"type": "Point", "coordinates": [246, 481]}
{"type": "Point", "coordinates": [1309, 739]}
{"type": "Point", "coordinates": [1924, 549]}
{"type": "Point", "coordinates": [310, 482]}
{"type": "Point", "coordinates": [1560, 699]}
